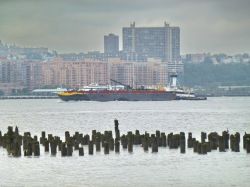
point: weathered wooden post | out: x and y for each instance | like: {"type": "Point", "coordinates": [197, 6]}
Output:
{"type": "Point", "coordinates": [42, 138]}
{"type": "Point", "coordinates": [117, 145]}
{"type": "Point", "coordinates": [221, 144]}
{"type": "Point", "coordinates": [37, 149]}
{"type": "Point", "coordinates": [248, 144]}
{"type": "Point", "coordinates": [225, 135]}
{"type": "Point", "coordinates": [163, 139]}
{"type": "Point", "coordinates": [145, 142]}
{"type": "Point", "coordinates": [124, 142]}
{"type": "Point", "coordinates": [16, 131]}
{"type": "Point", "coordinates": [91, 148]}
{"type": "Point", "coordinates": [117, 131]}
{"type": "Point", "coordinates": [116, 124]}
{"type": "Point", "coordinates": [53, 147]}
{"type": "Point", "coordinates": [244, 140]}
{"type": "Point", "coordinates": [195, 145]}
{"type": "Point", "coordinates": [130, 143]}
{"type": "Point", "coordinates": [69, 149]}
{"type": "Point", "coordinates": [213, 139]}
{"type": "Point", "coordinates": [98, 143]}
{"type": "Point", "coordinates": [203, 148]}
{"type": "Point", "coordinates": [63, 149]}
{"type": "Point", "coordinates": [137, 138]}
{"type": "Point", "coordinates": [182, 143]}
{"type": "Point", "coordinates": [169, 140]}
{"type": "Point", "coordinates": [234, 143]}
{"type": "Point", "coordinates": [29, 150]}
{"type": "Point", "coordinates": [76, 144]}
{"type": "Point", "coordinates": [208, 146]}
{"type": "Point", "coordinates": [203, 137]}
{"type": "Point", "coordinates": [106, 148]}
{"type": "Point", "coordinates": [154, 144]}
{"type": "Point", "coordinates": [1, 138]}
{"type": "Point", "coordinates": [111, 144]}
{"type": "Point", "coordinates": [17, 150]}
{"type": "Point", "coordinates": [67, 136]}
{"type": "Point", "coordinates": [158, 136]}
{"type": "Point", "coordinates": [237, 142]}
{"type": "Point", "coordinates": [81, 151]}
{"type": "Point", "coordinates": [199, 148]}
{"type": "Point", "coordinates": [46, 145]}
{"type": "Point", "coordinates": [93, 136]}
{"type": "Point", "coordinates": [190, 140]}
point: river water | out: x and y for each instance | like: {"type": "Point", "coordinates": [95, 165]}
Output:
{"type": "Point", "coordinates": [165, 168]}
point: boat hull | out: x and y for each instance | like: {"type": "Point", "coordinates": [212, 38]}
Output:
{"type": "Point", "coordinates": [130, 96]}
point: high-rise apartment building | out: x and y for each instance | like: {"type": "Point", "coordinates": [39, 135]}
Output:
{"type": "Point", "coordinates": [111, 45]}
{"type": "Point", "coordinates": [153, 42]}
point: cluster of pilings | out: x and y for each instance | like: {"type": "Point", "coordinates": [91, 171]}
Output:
{"type": "Point", "coordinates": [16, 144]}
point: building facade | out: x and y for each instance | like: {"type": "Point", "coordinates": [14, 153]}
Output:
{"type": "Point", "coordinates": [153, 42]}
{"type": "Point", "coordinates": [140, 74]}
{"type": "Point", "coordinates": [74, 74]}
{"type": "Point", "coordinates": [111, 45]}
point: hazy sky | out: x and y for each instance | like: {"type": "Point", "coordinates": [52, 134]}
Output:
{"type": "Point", "coordinates": [79, 25]}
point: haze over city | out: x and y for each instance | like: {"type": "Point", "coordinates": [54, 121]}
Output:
{"type": "Point", "coordinates": [76, 26]}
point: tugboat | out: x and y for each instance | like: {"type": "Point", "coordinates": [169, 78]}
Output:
{"type": "Point", "coordinates": [182, 94]}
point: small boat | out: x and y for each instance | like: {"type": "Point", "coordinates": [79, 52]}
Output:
{"type": "Point", "coordinates": [181, 93]}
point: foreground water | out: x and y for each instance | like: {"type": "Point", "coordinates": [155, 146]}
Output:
{"type": "Point", "coordinates": [166, 168]}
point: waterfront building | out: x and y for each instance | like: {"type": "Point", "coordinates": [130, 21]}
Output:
{"type": "Point", "coordinates": [140, 74]}
{"type": "Point", "coordinates": [111, 45]}
{"type": "Point", "coordinates": [74, 74]}
{"type": "Point", "coordinates": [153, 42]}
{"type": "Point", "coordinates": [19, 74]}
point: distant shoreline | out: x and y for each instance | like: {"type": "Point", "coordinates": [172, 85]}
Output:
{"type": "Point", "coordinates": [27, 97]}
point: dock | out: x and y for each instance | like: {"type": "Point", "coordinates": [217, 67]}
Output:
{"type": "Point", "coordinates": [28, 97]}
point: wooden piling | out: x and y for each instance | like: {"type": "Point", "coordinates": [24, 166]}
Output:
{"type": "Point", "coordinates": [98, 144]}
{"type": "Point", "coordinates": [203, 137]}
{"type": "Point", "coordinates": [145, 143]}
{"type": "Point", "coordinates": [225, 135]}
{"type": "Point", "coordinates": [69, 149]}
{"type": "Point", "coordinates": [81, 151]}
{"type": "Point", "coordinates": [63, 149]}
{"type": "Point", "coordinates": [163, 140]}
{"type": "Point", "coordinates": [182, 143]}
{"type": "Point", "coordinates": [36, 149]}
{"type": "Point", "coordinates": [91, 148]}
{"type": "Point", "coordinates": [154, 144]}
{"type": "Point", "coordinates": [117, 145]}
{"type": "Point", "coordinates": [106, 147]}
{"type": "Point", "coordinates": [130, 144]}
{"type": "Point", "coordinates": [203, 148]}
{"type": "Point", "coordinates": [247, 144]}
{"type": "Point", "coordinates": [221, 144]}
{"type": "Point", "coordinates": [46, 145]}
{"type": "Point", "coordinates": [53, 147]}
{"type": "Point", "coordinates": [190, 140]}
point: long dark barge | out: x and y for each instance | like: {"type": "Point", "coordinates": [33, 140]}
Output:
{"type": "Point", "coordinates": [118, 95]}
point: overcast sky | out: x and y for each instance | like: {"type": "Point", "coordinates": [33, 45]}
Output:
{"type": "Point", "coordinates": [79, 25]}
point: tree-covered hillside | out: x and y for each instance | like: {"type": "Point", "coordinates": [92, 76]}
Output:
{"type": "Point", "coordinates": [208, 75]}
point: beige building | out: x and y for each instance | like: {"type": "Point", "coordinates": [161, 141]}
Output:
{"type": "Point", "coordinates": [137, 74]}
{"type": "Point", "coordinates": [74, 74]}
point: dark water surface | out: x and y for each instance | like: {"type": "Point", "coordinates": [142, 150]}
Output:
{"type": "Point", "coordinates": [166, 168]}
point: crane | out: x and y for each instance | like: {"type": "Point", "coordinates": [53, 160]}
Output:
{"type": "Point", "coordinates": [127, 86]}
